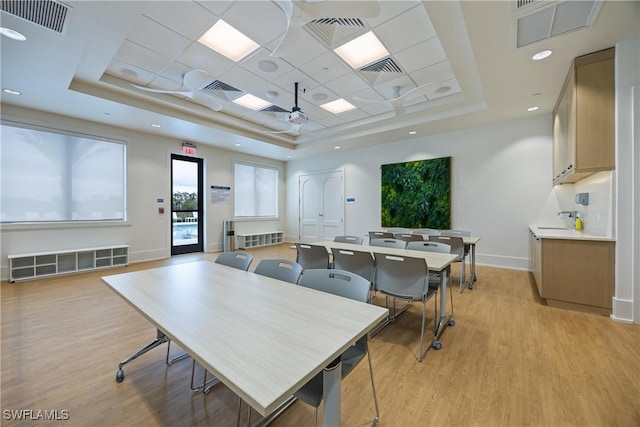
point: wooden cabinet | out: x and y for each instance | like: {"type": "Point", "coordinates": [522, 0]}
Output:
{"type": "Point", "coordinates": [584, 119]}
{"type": "Point", "coordinates": [574, 274]}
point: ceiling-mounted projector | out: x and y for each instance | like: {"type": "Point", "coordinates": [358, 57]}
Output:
{"type": "Point", "coordinates": [297, 117]}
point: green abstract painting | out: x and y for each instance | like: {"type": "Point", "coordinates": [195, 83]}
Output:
{"type": "Point", "coordinates": [417, 194]}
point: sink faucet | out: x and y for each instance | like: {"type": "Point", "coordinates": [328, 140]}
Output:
{"type": "Point", "coordinates": [571, 214]}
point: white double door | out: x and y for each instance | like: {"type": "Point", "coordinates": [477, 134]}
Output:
{"type": "Point", "coordinates": [321, 206]}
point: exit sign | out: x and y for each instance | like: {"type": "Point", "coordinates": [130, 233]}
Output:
{"type": "Point", "coordinates": [188, 149]}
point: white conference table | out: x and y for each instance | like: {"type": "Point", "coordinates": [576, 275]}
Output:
{"type": "Point", "coordinates": [436, 262]}
{"type": "Point", "coordinates": [261, 337]}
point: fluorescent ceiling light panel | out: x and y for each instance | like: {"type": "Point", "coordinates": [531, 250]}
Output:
{"type": "Point", "coordinates": [362, 50]}
{"type": "Point", "coordinates": [338, 106]}
{"type": "Point", "coordinates": [228, 41]}
{"type": "Point", "coordinates": [251, 102]}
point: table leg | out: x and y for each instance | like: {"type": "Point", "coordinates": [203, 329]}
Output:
{"type": "Point", "coordinates": [161, 338]}
{"type": "Point", "coordinates": [473, 267]}
{"type": "Point", "coordinates": [443, 320]}
{"type": "Point", "coordinates": [331, 377]}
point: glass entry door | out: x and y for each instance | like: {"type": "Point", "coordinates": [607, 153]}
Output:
{"type": "Point", "coordinates": [187, 205]}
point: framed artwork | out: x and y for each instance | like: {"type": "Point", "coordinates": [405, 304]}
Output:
{"type": "Point", "coordinates": [417, 194]}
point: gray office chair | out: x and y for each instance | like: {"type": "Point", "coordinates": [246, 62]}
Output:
{"type": "Point", "coordinates": [380, 235]}
{"type": "Point", "coordinates": [347, 285]}
{"type": "Point", "coordinates": [357, 262]}
{"type": "Point", "coordinates": [281, 269]}
{"type": "Point", "coordinates": [349, 239]}
{"type": "Point", "coordinates": [312, 256]}
{"type": "Point", "coordinates": [409, 237]}
{"type": "Point", "coordinates": [457, 233]}
{"type": "Point", "coordinates": [407, 279]}
{"type": "Point", "coordinates": [239, 260]}
{"type": "Point", "coordinates": [389, 243]}
{"type": "Point", "coordinates": [434, 278]}
{"type": "Point", "coordinates": [457, 247]}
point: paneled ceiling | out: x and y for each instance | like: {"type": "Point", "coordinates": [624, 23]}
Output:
{"type": "Point", "coordinates": [448, 65]}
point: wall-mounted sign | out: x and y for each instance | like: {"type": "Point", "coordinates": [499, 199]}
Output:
{"type": "Point", "coordinates": [189, 149]}
{"type": "Point", "coordinates": [351, 200]}
{"type": "Point", "coordinates": [220, 194]}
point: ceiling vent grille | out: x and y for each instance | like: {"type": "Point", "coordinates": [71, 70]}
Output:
{"type": "Point", "coordinates": [555, 20]}
{"type": "Point", "coordinates": [217, 85]}
{"type": "Point", "coordinates": [46, 13]}
{"type": "Point", "coordinates": [520, 4]}
{"type": "Point", "coordinates": [380, 71]}
{"type": "Point", "coordinates": [274, 109]}
{"type": "Point", "coordinates": [334, 32]}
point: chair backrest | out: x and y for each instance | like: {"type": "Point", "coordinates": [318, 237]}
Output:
{"type": "Point", "coordinates": [389, 243]}
{"type": "Point", "coordinates": [380, 235]}
{"type": "Point", "coordinates": [456, 243]}
{"type": "Point", "coordinates": [458, 233]}
{"type": "Point", "coordinates": [239, 260]}
{"type": "Point", "coordinates": [312, 256]}
{"type": "Point", "coordinates": [429, 246]}
{"type": "Point", "coordinates": [281, 269]}
{"type": "Point", "coordinates": [360, 263]}
{"type": "Point", "coordinates": [426, 231]}
{"type": "Point", "coordinates": [349, 239]}
{"type": "Point", "coordinates": [401, 277]}
{"type": "Point", "coordinates": [409, 237]}
{"type": "Point", "coordinates": [336, 282]}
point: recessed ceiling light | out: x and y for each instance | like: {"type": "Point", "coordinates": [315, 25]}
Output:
{"type": "Point", "coordinates": [228, 41]}
{"type": "Point", "coordinates": [413, 132]}
{"type": "Point", "coordinates": [362, 50]}
{"type": "Point", "coordinates": [288, 157]}
{"type": "Point", "coordinates": [533, 108]}
{"type": "Point", "coordinates": [11, 91]}
{"type": "Point", "coordinates": [251, 102]}
{"type": "Point", "coordinates": [337, 147]}
{"type": "Point", "coordinates": [541, 55]}
{"type": "Point", "coordinates": [155, 125]}
{"type": "Point", "coordinates": [12, 34]}
{"type": "Point", "coordinates": [237, 144]}
{"type": "Point", "coordinates": [338, 106]}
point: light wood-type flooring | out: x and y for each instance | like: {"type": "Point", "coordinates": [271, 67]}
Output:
{"type": "Point", "coordinates": [509, 361]}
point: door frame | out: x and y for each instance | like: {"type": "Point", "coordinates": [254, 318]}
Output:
{"type": "Point", "coordinates": [341, 197]}
{"type": "Point", "coordinates": [199, 246]}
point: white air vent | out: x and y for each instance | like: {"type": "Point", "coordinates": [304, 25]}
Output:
{"type": "Point", "coordinates": [555, 20]}
{"type": "Point", "coordinates": [46, 13]}
{"type": "Point", "coordinates": [334, 32]}
{"type": "Point", "coordinates": [520, 4]}
{"type": "Point", "coordinates": [272, 110]}
{"type": "Point", "coordinates": [217, 85]}
{"type": "Point", "coordinates": [380, 71]}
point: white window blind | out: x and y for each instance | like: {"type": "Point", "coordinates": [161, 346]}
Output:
{"type": "Point", "coordinates": [256, 191]}
{"type": "Point", "coordinates": [50, 176]}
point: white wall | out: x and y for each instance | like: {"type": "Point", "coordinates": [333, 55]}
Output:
{"type": "Point", "coordinates": [501, 177]}
{"type": "Point", "coordinates": [148, 178]}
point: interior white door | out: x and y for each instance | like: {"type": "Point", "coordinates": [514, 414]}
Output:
{"type": "Point", "coordinates": [321, 206]}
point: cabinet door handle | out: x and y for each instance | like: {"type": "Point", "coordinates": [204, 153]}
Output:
{"type": "Point", "coordinates": [570, 167]}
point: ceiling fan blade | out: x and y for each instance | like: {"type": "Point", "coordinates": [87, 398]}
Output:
{"type": "Point", "coordinates": [339, 9]}
{"type": "Point", "coordinates": [172, 92]}
{"type": "Point", "coordinates": [295, 129]}
{"type": "Point", "coordinates": [207, 100]}
{"type": "Point", "coordinates": [196, 79]}
{"type": "Point", "coordinates": [370, 101]}
{"type": "Point", "coordinates": [398, 107]}
{"type": "Point", "coordinates": [416, 92]}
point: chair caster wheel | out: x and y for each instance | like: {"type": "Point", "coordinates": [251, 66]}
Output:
{"type": "Point", "coordinates": [451, 322]}
{"type": "Point", "coordinates": [437, 345]}
{"type": "Point", "coordinates": [119, 376]}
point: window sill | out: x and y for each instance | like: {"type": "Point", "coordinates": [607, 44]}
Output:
{"type": "Point", "coordinates": [61, 225]}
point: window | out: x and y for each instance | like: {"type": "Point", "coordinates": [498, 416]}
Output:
{"type": "Point", "coordinates": [50, 176]}
{"type": "Point", "coordinates": [256, 191]}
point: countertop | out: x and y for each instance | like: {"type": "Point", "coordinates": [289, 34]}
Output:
{"type": "Point", "coordinates": [543, 232]}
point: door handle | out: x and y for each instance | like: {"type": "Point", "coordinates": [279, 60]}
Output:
{"type": "Point", "coordinates": [320, 214]}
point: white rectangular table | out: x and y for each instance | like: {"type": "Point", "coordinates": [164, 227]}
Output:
{"type": "Point", "coordinates": [436, 262]}
{"type": "Point", "coordinates": [261, 337]}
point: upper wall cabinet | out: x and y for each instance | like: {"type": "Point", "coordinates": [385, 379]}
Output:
{"type": "Point", "coordinates": [584, 119]}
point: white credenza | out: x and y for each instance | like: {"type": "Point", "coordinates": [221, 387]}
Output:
{"type": "Point", "coordinates": [246, 241]}
{"type": "Point", "coordinates": [45, 264]}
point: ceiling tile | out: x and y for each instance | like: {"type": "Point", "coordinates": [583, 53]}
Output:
{"type": "Point", "coordinates": [253, 64]}
{"type": "Point", "coordinates": [189, 19]}
{"type": "Point", "coordinates": [160, 39]}
{"type": "Point", "coordinates": [130, 72]}
{"type": "Point", "coordinates": [198, 56]}
{"type": "Point", "coordinates": [453, 84]}
{"type": "Point", "coordinates": [427, 53]}
{"type": "Point", "coordinates": [325, 67]}
{"type": "Point", "coordinates": [437, 73]}
{"type": "Point", "coordinates": [243, 79]}
{"type": "Point", "coordinates": [144, 58]}
{"type": "Point", "coordinates": [217, 6]}
{"type": "Point", "coordinates": [348, 84]}
{"type": "Point", "coordinates": [261, 21]}
{"type": "Point", "coordinates": [408, 29]}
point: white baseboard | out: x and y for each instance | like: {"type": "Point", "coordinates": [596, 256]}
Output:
{"type": "Point", "coordinates": [622, 310]}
